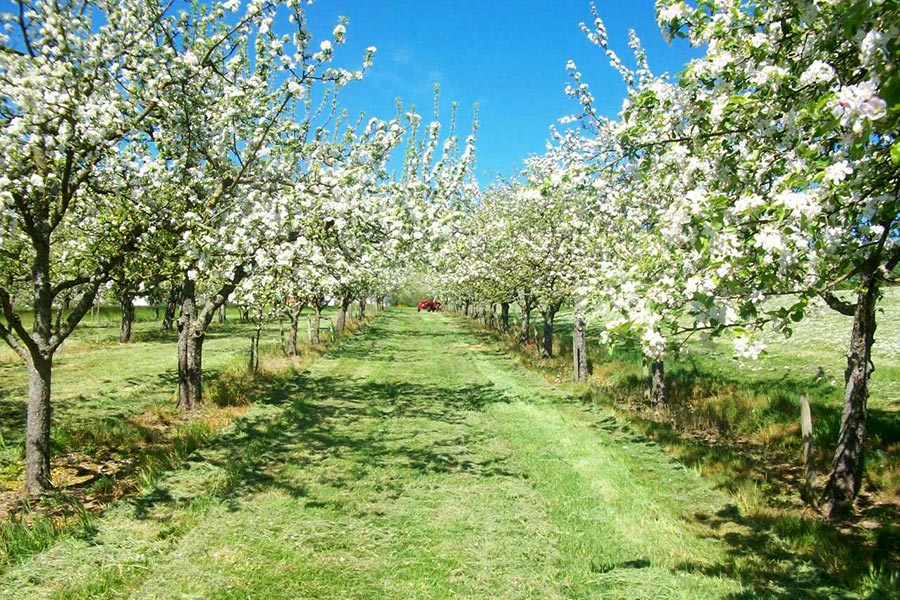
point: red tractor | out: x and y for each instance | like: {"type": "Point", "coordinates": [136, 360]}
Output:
{"type": "Point", "coordinates": [429, 305]}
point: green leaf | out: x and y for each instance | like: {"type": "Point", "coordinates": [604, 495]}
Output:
{"type": "Point", "coordinates": [895, 152]}
{"type": "Point", "coordinates": [890, 90]}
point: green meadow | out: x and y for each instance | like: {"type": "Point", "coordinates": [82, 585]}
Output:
{"type": "Point", "coordinates": [418, 457]}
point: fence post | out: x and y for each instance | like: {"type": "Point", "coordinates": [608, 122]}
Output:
{"type": "Point", "coordinates": [806, 431]}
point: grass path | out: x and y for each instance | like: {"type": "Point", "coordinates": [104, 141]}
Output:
{"type": "Point", "coordinates": [414, 462]}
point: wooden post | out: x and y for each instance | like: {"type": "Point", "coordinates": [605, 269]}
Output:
{"type": "Point", "coordinates": [809, 459]}
{"type": "Point", "coordinates": [579, 348]}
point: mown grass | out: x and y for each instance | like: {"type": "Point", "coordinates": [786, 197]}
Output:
{"type": "Point", "coordinates": [116, 428]}
{"type": "Point", "coordinates": [410, 462]}
{"type": "Point", "coordinates": [737, 423]}
{"type": "Point", "coordinates": [417, 460]}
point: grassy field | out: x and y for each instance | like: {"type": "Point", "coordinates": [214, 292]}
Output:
{"type": "Point", "coordinates": [115, 423]}
{"type": "Point", "coordinates": [417, 460]}
{"type": "Point", "coordinates": [737, 423]}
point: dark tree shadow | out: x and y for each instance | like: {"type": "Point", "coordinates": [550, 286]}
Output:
{"type": "Point", "coordinates": [762, 555]}
{"type": "Point", "coordinates": [311, 419]}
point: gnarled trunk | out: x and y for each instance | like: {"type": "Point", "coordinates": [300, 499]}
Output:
{"type": "Point", "coordinates": [504, 317]}
{"type": "Point", "coordinates": [190, 351]}
{"type": "Point", "coordinates": [362, 309]}
{"type": "Point", "coordinates": [847, 467]}
{"type": "Point", "coordinates": [659, 395]}
{"type": "Point", "coordinates": [37, 427]}
{"type": "Point", "coordinates": [127, 302]}
{"type": "Point", "coordinates": [579, 349]}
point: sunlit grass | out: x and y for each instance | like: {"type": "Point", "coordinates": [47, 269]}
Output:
{"type": "Point", "coordinates": [737, 423]}
{"type": "Point", "coordinates": [410, 462]}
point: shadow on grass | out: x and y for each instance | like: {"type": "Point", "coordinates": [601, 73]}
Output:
{"type": "Point", "coordinates": [342, 430]}
{"type": "Point", "coordinates": [773, 557]}
{"type": "Point", "coordinates": [12, 418]}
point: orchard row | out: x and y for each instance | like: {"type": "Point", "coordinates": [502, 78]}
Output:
{"type": "Point", "coordinates": [191, 153]}
{"type": "Point", "coordinates": [763, 178]}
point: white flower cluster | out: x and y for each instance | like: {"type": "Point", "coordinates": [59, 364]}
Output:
{"type": "Point", "coordinates": [858, 104]}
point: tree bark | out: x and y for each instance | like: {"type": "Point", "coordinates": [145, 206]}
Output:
{"type": "Point", "coordinates": [314, 323]}
{"type": "Point", "coordinates": [223, 313]}
{"type": "Point", "coordinates": [504, 317]}
{"type": "Point", "coordinates": [171, 306]}
{"type": "Point", "coordinates": [549, 315]}
{"type": "Point", "coordinates": [127, 302]}
{"type": "Point", "coordinates": [37, 428]}
{"type": "Point", "coordinates": [659, 394]}
{"type": "Point", "coordinates": [192, 326]}
{"type": "Point", "coordinates": [579, 349]}
{"type": "Point", "coordinates": [254, 349]}
{"type": "Point", "coordinates": [190, 351]}
{"type": "Point", "coordinates": [845, 478]}
{"type": "Point", "coordinates": [294, 316]}
{"type": "Point", "coordinates": [37, 347]}
{"type": "Point", "coordinates": [342, 314]}
{"type": "Point", "coordinates": [379, 303]}
{"type": "Point", "coordinates": [525, 332]}
{"type": "Point", "coordinates": [362, 308]}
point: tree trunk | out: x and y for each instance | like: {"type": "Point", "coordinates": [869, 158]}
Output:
{"type": "Point", "coordinates": [223, 314]}
{"type": "Point", "coordinates": [37, 428]}
{"type": "Point", "coordinates": [547, 341]}
{"type": "Point", "coordinates": [362, 308]}
{"type": "Point", "coordinates": [659, 395]}
{"type": "Point", "coordinates": [127, 302]}
{"type": "Point", "coordinates": [190, 351]}
{"type": "Point", "coordinates": [525, 332]}
{"type": "Point", "coordinates": [492, 321]}
{"type": "Point", "coordinates": [342, 315]}
{"type": "Point", "coordinates": [379, 303]}
{"type": "Point", "coordinates": [254, 349]}
{"type": "Point", "coordinates": [291, 346]}
{"type": "Point", "coordinates": [314, 324]}
{"type": "Point", "coordinates": [847, 467]}
{"type": "Point", "coordinates": [504, 317]}
{"type": "Point", "coordinates": [171, 307]}
{"type": "Point", "coordinates": [579, 349]}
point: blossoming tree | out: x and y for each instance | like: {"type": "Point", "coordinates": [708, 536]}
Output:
{"type": "Point", "coordinates": [780, 146]}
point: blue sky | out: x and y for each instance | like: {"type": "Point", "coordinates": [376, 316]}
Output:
{"type": "Point", "coordinates": [508, 56]}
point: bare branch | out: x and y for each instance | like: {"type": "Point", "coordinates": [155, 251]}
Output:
{"type": "Point", "coordinates": [835, 303]}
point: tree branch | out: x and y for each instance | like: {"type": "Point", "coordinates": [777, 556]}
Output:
{"type": "Point", "coordinates": [84, 304]}
{"type": "Point", "coordinates": [835, 303]}
{"type": "Point", "coordinates": [212, 305]}
{"type": "Point", "coordinates": [14, 324]}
